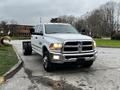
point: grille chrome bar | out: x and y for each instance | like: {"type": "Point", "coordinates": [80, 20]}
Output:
{"type": "Point", "coordinates": [77, 46]}
{"type": "Point", "coordinates": [87, 45]}
{"type": "Point", "coordinates": [71, 46]}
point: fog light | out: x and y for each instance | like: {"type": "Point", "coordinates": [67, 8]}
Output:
{"type": "Point", "coordinates": [56, 57]}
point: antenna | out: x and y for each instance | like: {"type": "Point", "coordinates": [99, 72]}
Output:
{"type": "Point", "coordinates": [40, 20]}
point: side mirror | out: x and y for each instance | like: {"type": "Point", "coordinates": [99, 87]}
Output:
{"type": "Point", "coordinates": [83, 30]}
{"type": "Point", "coordinates": [32, 30]}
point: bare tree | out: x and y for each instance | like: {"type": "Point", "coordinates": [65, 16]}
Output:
{"type": "Point", "coordinates": [4, 27]}
{"type": "Point", "coordinates": [13, 27]}
{"type": "Point", "coordinates": [54, 20]}
{"type": "Point", "coordinates": [13, 22]}
{"type": "Point", "coordinates": [64, 19]}
{"type": "Point", "coordinates": [109, 17]}
{"type": "Point", "coordinates": [117, 17]}
{"type": "Point", "coordinates": [102, 22]}
{"type": "Point", "coordinates": [94, 23]}
{"type": "Point", "coordinates": [80, 24]}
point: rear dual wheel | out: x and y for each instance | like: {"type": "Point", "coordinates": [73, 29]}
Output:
{"type": "Point", "coordinates": [27, 48]}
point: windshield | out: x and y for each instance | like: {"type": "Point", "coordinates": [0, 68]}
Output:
{"type": "Point", "coordinates": [64, 29]}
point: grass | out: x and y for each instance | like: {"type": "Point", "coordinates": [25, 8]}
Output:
{"type": "Point", "coordinates": [108, 43]}
{"type": "Point", "coordinates": [8, 58]}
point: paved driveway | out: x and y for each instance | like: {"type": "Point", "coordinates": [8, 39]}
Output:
{"type": "Point", "coordinates": [103, 75]}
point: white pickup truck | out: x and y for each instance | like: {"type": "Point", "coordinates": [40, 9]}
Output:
{"type": "Point", "coordinates": [60, 43]}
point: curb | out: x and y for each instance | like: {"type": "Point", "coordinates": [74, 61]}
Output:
{"type": "Point", "coordinates": [15, 68]}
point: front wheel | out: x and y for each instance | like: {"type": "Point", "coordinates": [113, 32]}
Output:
{"type": "Point", "coordinates": [48, 66]}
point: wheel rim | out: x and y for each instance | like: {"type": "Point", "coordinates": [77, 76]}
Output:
{"type": "Point", "coordinates": [45, 63]}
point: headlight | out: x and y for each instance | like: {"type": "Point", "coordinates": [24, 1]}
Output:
{"type": "Point", "coordinates": [94, 44]}
{"type": "Point", "coordinates": [56, 47]}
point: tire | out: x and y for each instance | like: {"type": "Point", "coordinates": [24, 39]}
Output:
{"type": "Point", "coordinates": [48, 66]}
{"type": "Point", "coordinates": [27, 48]}
{"type": "Point", "coordinates": [88, 64]}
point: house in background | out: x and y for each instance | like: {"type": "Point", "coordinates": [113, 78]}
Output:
{"type": "Point", "coordinates": [23, 30]}
{"type": "Point", "coordinates": [16, 30]}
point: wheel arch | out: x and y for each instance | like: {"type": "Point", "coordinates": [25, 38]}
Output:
{"type": "Point", "coordinates": [44, 48]}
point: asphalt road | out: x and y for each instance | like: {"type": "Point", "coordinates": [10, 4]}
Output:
{"type": "Point", "coordinates": [103, 75]}
{"type": "Point", "coordinates": [20, 81]}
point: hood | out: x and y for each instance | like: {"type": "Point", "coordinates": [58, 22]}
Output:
{"type": "Point", "coordinates": [69, 36]}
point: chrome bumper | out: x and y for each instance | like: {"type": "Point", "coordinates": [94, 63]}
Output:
{"type": "Point", "coordinates": [80, 54]}
{"type": "Point", "coordinates": [74, 57]}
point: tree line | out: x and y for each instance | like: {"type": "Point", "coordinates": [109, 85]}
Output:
{"type": "Point", "coordinates": [5, 27]}
{"type": "Point", "coordinates": [101, 22]}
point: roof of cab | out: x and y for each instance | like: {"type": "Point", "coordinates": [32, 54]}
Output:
{"type": "Point", "coordinates": [53, 24]}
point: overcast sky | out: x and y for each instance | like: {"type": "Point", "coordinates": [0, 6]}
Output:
{"type": "Point", "coordinates": [30, 11]}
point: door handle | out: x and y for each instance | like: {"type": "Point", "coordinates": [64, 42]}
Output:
{"type": "Point", "coordinates": [35, 37]}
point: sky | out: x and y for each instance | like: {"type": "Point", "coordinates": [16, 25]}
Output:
{"type": "Point", "coordinates": [29, 11]}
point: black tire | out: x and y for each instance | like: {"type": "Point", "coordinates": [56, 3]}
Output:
{"type": "Point", "coordinates": [27, 48]}
{"type": "Point", "coordinates": [48, 66]}
{"type": "Point", "coordinates": [88, 64]}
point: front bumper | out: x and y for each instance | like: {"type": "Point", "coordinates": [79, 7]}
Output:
{"type": "Point", "coordinates": [73, 57]}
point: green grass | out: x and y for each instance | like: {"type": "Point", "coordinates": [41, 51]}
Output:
{"type": "Point", "coordinates": [8, 58]}
{"type": "Point", "coordinates": [109, 43]}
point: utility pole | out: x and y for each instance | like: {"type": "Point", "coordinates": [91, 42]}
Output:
{"type": "Point", "coordinates": [40, 20]}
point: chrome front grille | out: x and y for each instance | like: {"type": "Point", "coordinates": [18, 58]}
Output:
{"type": "Point", "coordinates": [77, 46]}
